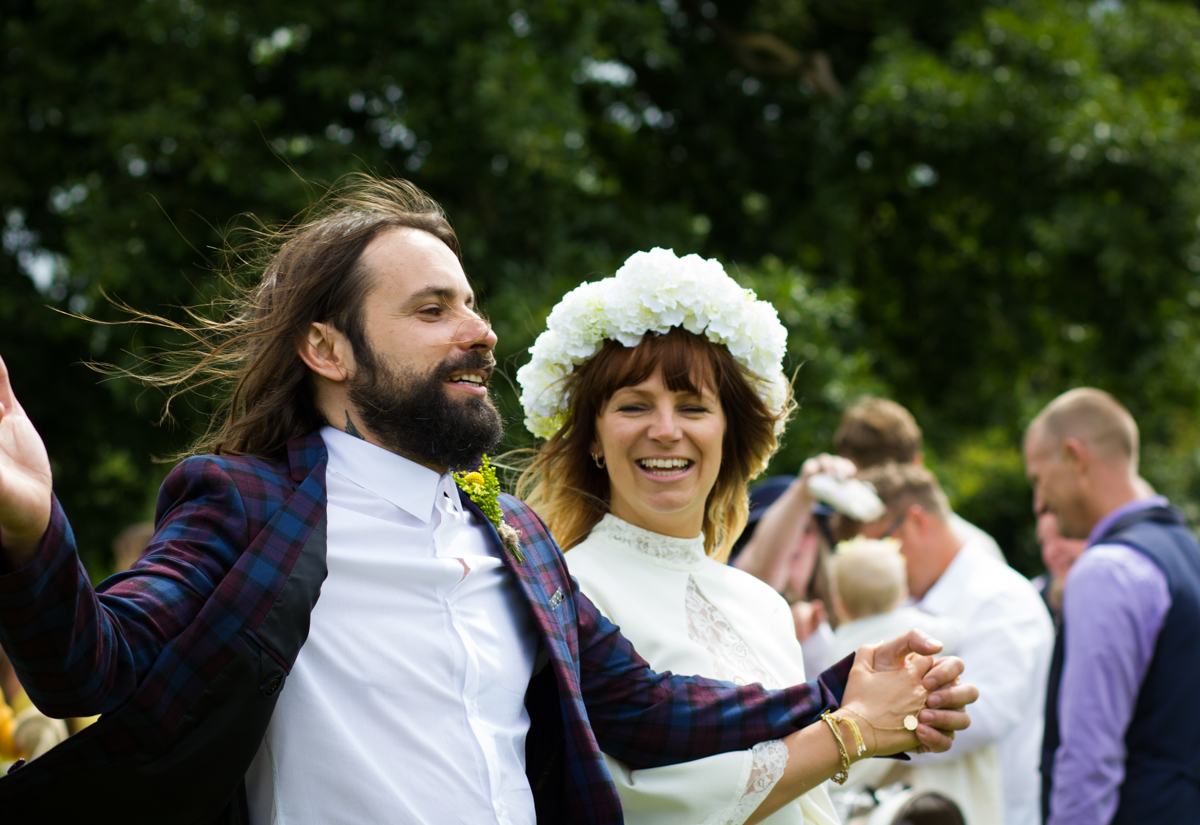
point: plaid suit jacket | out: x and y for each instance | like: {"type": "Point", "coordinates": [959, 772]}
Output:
{"type": "Point", "coordinates": [186, 653]}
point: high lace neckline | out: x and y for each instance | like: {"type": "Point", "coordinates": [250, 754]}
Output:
{"type": "Point", "coordinates": [667, 551]}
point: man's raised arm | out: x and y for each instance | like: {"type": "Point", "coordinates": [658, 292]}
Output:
{"type": "Point", "coordinates": [25, 480]}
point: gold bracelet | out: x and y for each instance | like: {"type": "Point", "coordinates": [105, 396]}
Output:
{"type": "Point", "coordinates": [841, 776]}
{"type": "Point", "coordinates": [910, 721]}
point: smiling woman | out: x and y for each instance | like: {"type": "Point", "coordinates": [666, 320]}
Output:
{"type": "Point", "coordinates": [662, 449]}
{"type": "Point", "coordinates": [656, 403]}
{"type": "Point", "coordinates": [651, 440]}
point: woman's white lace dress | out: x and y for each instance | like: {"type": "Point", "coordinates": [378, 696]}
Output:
{"type": "Point", "coordinates": [691, 615]}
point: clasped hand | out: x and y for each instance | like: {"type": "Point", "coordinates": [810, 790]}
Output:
{"type": "Point", "coordinates": [900, 678]}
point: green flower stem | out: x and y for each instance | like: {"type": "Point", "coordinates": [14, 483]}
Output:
{"type": "Point", "coordinates": [482, 487]}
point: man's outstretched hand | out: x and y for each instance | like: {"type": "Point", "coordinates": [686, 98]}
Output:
{"type": "Point", "coordinates": [25, 481]}
{"type": "Point", "coordinates": [944, 709]}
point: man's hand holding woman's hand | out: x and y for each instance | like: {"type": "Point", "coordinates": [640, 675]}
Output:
{"type": "Point", "coordinates": [900, 678]}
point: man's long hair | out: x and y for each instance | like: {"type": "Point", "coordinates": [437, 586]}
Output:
{"type": "Point", "coordinates": [311, 271]}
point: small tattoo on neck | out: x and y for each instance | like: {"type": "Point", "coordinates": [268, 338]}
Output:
{"type": "Point", "coordinates": [351, 429]}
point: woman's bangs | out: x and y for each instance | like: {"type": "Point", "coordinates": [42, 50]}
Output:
{"type": "Point", "coordinates": [688, 362]}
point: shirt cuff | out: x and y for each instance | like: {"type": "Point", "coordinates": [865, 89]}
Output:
{"type": "Point", "coordinates": [57, 546]}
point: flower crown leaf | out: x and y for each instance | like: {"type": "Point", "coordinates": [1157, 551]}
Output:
{"type": "Point", "coordinates": [652, 292]}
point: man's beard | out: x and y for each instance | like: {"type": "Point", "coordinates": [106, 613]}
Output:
{"type": "Point", "coordinates": [413, 415]}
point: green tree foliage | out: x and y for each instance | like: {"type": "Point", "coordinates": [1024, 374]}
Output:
{"type": "Point", "coordinates": [970, 206]}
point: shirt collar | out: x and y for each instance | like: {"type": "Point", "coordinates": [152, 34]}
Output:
{"type": "Point", "coordinates": [1125, 509]}
{"type": "Point", "coordinates": [398, 480]}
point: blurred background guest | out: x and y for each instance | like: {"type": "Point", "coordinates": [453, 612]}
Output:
{"type": "Point", "coordinates": [1058, 554]}
{"type": "Point", "coordinates": [1006, 645]}
{"type": "Point", "coordinates": [784, 543]}
{"type": "Point", "coordinates": [877, 431]}
{"type": "Point", "coordinates": [1122, 723]}
{"type": "Point", "coordinates": [868, 578]}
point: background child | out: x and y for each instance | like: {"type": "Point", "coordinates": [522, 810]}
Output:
{"type": "Point", "coordinates": [867, 577]}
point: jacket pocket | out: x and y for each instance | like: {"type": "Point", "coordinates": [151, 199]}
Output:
{"type": "Point", "coordinates": [273, 668]}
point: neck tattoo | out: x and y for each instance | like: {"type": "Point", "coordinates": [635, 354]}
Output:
{"type": "Point", "coordinates": [351, 429]}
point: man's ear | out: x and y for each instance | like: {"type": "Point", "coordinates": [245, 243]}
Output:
{"type": "Point", "coordinates": [327, 352]}
{"type": "Point", "coordinates": [1076, 455]}
{"type": "Point", "coordinates": [918, 517]}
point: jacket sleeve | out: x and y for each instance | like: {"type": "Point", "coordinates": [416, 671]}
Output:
{"type": "Point", "coordinates": [79, 651]}
{"type": "Point", "coordinates": [646, 719]}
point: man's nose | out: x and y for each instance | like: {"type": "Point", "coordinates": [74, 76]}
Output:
{"type": "Point", "coordinates": [476, 333]}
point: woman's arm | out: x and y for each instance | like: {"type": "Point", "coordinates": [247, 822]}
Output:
{"type": "Point", "coordinates": [876, 702]}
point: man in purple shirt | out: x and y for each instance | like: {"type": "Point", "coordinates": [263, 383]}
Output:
{"type": "Point", "coordinates": [1122, 720]}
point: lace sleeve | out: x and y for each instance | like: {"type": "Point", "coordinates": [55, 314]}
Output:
{"type": "Point", "coordinates": [766, 768]}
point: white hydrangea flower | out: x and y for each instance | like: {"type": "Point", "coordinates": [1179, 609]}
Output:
{"type": "Point", "coordinates": [652, 292]}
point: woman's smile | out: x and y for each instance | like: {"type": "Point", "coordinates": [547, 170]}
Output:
{"type": "Point", "coordinates": [669, 469]}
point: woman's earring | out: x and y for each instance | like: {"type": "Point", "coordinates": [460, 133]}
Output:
{"type": "Point", "coordinates": [599, 459]}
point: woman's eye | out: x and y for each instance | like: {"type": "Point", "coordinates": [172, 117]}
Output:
{"type": "Point", "coordinates": [431, 311]}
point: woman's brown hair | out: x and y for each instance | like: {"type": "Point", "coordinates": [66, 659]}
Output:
{"type": "Point", "coordinates": [309, 271]}
{"type": "Point", "coordinates": [565, 487]}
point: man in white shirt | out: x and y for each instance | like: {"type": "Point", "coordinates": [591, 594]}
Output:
{"type": "Point", "coordinates": [324, 629]}
{"type": "Point", "coordinates": [781, 543]}
{"type": "Point", "coordinates": [1007, 636]}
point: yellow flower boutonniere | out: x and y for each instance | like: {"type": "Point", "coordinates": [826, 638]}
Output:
{"type": "Point", "coordinates": [482, 488]}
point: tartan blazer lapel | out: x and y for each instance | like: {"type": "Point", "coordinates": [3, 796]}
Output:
{"type": "Point", "coordinates": [541, 577]}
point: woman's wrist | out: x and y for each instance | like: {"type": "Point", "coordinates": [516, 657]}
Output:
{"type": "Point", "coordinates": [867, 731]}
{"type": "Point", "coordinates": [884, 739]}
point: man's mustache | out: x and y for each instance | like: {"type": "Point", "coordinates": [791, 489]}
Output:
{"type": "Point", "coordinates": [484, 362]}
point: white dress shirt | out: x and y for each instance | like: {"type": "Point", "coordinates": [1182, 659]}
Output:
{"type": "Point", "coordinates": [407, 701]}
{"type": "Point", "coordinates": [1006, 646]}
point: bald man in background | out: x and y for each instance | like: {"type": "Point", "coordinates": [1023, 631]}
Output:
{"type": "Point", "coordinates": [1122, 741]}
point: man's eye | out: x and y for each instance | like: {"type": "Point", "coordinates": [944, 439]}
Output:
{"type": "Point", "coordinates": [431, 311]}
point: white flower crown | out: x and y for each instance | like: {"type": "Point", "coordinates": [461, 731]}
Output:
{"type": "Point", "coordinates": [653, 292]}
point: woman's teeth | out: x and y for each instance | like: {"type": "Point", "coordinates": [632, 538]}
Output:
{"type": "Point", "coordinates": [664, 466]}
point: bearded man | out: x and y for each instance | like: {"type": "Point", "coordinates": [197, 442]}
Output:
{"type": "Point", "coordinates": [449, 670]}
